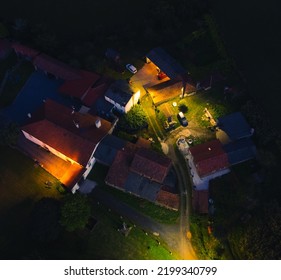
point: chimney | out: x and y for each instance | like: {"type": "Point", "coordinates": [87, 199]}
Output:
{"type": "Point", "coordinates": [98, 123]}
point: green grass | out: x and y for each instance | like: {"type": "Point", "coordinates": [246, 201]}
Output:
{"type": "Point", "coordinates": [148, 208]}
{"type": "Point", "coordinates": [106, 242]}
{"type": "Point", "coordinates": [21, 180]}
{"type": "Point", "coordinates": [21, 184]}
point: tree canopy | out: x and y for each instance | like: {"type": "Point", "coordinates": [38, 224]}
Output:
{"type": "Point", "coordinates": [75, 211]}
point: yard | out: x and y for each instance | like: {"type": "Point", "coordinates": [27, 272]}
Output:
{"type": "Point", "coordinates": [21, 184]}
{"type": "Point", "coordinates": [106, 242]}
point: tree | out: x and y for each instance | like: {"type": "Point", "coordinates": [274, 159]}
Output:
{"type": "Point", "coordinates": [44, 221]}
{"type": "Point", "coordinates": [135, 119]}
{"type": "Point", "coordinates": [8, 133]}
{"type": "Point", "coordinates": [75, 211]}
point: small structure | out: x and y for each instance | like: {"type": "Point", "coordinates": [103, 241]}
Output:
{"type": "Point", "coordinates": [122, 95]}
{"type": "Point", "coordinates": [240, 151]}
{"type": "Point", "coordinates": [165, 63]}
{"type": "Point", "coordinates": [200, 201]}
{"type": "Point", "coordinates": [235, 126]}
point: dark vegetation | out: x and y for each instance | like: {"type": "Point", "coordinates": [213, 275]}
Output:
{"type": "Point", "coordinates": [246, 223]}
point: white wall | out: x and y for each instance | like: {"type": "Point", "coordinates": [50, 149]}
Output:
{"type": "Point", "coordinates": [43, 145]}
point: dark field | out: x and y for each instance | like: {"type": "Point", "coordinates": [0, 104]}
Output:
{"type": "Point", "coordinates": [251, 30]}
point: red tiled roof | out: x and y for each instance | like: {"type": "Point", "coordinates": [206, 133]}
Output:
{"type": "Point", "coordinates": [168, 199]}
{"type": "Point", "coordinates": [200, 201]}
{"type": "Point", "coordinates": [120, 168]}
{"type": "Point", "coordinates": [151, 164]}
{"type": "Point", "coordinates": [56, 67]}
{"type": "Point", "coordinates": [94, 93]}
{"type": "Point", "coordinates": [24, 50]}
{"type": "Point", "coordinates": [143, 143]}
{"type": "Point", "coordinates": [79, 87]}
{"type": "Point", "coordinates": [209, 157]}
{"type": "Point", "coordinates": [54, 125]}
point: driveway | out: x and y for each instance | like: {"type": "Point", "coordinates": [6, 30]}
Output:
{"type": "Point", "coordinates": [171, 234]}
{"type": "Point", "coordinates": [146, 77]}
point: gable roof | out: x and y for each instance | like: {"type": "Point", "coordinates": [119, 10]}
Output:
{"type": "Point", "coordinates": [120, 92]}
{"type": "Point", "coordinates": [54, 125]}
{"type": "Point", "coordinates": [209, 157]}
{"type": "Point", "coordinates": [166, 63]}
{"type": "Point", "coordinates": [167, 90]}
{"type": "Point", "coordinates": [108, 148]}
{"type": "Point", "coordinates": [240, 150]}
{"type": "Point", "coordinates": [56, 67]}
{"type": "Point", "coordinates": [151, 165]}
{"type": "Point", "coordinates": [79, 87]}
{"type": "Point", "coordinates": [24, 50]}
{"type": "Point", "coordinates": [235, 126]}
{"type": "Point", "coordinates": [120, 169]}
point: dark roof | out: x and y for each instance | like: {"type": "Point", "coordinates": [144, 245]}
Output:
{"type": "Point", "coordinates": [168, 199]}
{"type": "Point", "coordinates": [235, 126]}
{"type": "Point", "coordinates": [240, 150]}
{"type": "Point", "coordinates": [24, 50]}
{"type": "Point", "coordinates": [119, 170]}
{"type": "Point", "coordinates": [79, 87]}
{"type": "Point", "coordinates": [167, 90]}
{"type": "Point", "coordinates": [142, 186]}
{"type": "Point", "coordinates": [200, 201]}
{"type": "Point", "coordinates": [209, 157]}
{"type": "Point", "coordinates": [120, 92]}
{"type": "Point", "coordinates": [151, 164]}
{"type": "Point", "coordinates": [54, 125]}
{"type": "Point", "coordinates": [56, 67]}
{"type": "Point", "coordinates": [166, 63]}
{"type": "Point", "coordinates": [108, 148]}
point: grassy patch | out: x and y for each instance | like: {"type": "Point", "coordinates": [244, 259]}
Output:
{"type": "Point", "coordinates": [106, 242]}
{"type": "Point", "coordinates": [21, 184]}
{"type": "Point", "coordinates": [21, 180]}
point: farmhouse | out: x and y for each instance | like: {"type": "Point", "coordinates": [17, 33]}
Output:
{"type": "Point", "coordinates": [70, 136]}
{"type": "Point", "coordinates": [122, 95]}
{"type": "Point", "coordinates": [144, 173]}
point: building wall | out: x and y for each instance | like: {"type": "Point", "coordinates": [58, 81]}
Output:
{"type": "Point", "coordinates": [47, 147]}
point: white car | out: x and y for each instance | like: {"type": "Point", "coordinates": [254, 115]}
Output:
{"type": "Point", "coordinates": [132, 68]}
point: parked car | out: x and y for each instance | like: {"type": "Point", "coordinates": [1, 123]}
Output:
{"type": "Point", "coordinates": [161, 75]}
{"type": "Point", "coordinates": [132, 68]}
{"type": "Point", "coordinates": [182, 119]}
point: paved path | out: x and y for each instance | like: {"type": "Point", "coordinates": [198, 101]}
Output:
{"type": "Point", "coordinates": [168, 233]}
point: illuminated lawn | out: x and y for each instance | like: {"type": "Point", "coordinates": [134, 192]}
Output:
{"type": "Point", "coordinates": [106, 242]}
{"type": "Point", "coordinates": [22, 181]}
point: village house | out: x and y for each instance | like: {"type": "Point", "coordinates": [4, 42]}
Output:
{"type": "Point", "coordinates": [122, 95]}
{"type": "Point", "coordinates": [146, 174]}
{"type": "Point", "coordinates": [71, 136]}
